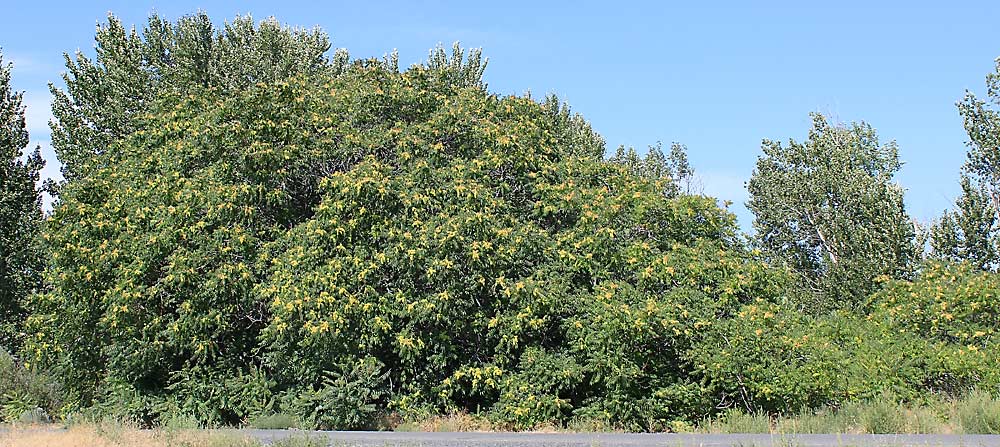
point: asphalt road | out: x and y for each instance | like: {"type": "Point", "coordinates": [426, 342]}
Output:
{"type": "Point", "coordinates": [386, 439]}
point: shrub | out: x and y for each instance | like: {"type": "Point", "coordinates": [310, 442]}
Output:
{"type": "Point", "coordinates": [953, 308]}
{"type": "Point", "coordinates": [540, 391]}
{"type": "Point", "coordinates": [346, 399]}
{"type": "Point", "coordinates": [26, 392]}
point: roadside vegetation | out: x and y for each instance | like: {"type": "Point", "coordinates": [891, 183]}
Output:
{"type": "Point", "coordinates": [121, 434]}
{"type": "Point", "coordinates": [257, 231]}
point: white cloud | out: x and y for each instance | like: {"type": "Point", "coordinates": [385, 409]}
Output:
{"type": "Point", "coordinates": [38, 113]}
{"type": "Point", "coordinates": [25, 64]}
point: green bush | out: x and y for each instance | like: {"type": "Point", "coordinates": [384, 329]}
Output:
{"type": "Point", "coordinates": [26, 392]}
{"type": "Point", "coordinates": [777, 360]}
{"type": "Point", "coordinates": [953, 310]}
{"type": "Point", "coordinates": [540, 391]}
{"type": "Point", "coordinates": [346, 398]}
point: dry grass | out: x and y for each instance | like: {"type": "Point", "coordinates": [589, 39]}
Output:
{"type": "Point", "coordinates": [104, 435]}
{"type": "Point", "coordinates": [462, 422]}
{"type": "Point", "coordinates": [976, 413]}
{"type": "Point", "coordinates": [465, 422]}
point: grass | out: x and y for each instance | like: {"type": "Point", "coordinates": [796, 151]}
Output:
{"type": "Point", "coordinates": [105, 436]}
{"type": "Point", "coordinates": [279, 421]}
{"type": "Point", "coordinates": [125, 435]}
{"type": "Point", "coordinates": [460, 422]}
{"type": "Point", "coordinates": [979, 413]}
{"type": "Point", "coordinates": [976, 413]}
{"type": "Point", "coordinates": [737, 421]}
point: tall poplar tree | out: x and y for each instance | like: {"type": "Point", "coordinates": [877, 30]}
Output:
{"type": "Point", "coordinates": [20, 213]}
{"type": "Point", "coordinates": [828, 207]}
{"type": "Point", "coordinates": [969, 232]}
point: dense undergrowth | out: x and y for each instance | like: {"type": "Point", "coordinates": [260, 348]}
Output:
{"type": "Point", "coordinates": [350, 245]}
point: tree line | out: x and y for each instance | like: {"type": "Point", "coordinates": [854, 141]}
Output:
{"type": "Point", "coordinates": [251, 224]}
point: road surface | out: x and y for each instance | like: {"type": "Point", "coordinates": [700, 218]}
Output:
{"type": "Point", "coordinates": [417, 439]}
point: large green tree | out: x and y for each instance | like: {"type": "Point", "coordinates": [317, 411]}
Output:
{"type": "Point", "coordinates": [828, 207]}
{"type": "Point", "coordinates": [103, 96]}
{"type": "Point", "coordinates": [20, 213]}
{"type": "Point", "coordinates": [356, 234]}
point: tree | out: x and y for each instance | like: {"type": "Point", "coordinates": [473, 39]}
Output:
{"type": "Point", "coordinates": [982, 123]}
{"type": "Point", "coordinates": [20, 214]}
{"type": "Point", "coordinates": [672, 167]}
{"type": "Point", "coordinates": [104, 96]}
{"type": "Point", "coordinates": [406, 238]}
{"type": "Point", "coordinates": [101, 118]}
{"type": "Point", "coordinates": [829, 208]}
{"type": "Point", "coordinates": [970, 232]}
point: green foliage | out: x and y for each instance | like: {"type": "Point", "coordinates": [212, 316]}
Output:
{"type": "Point", "coordinates": [21, 260]}
{"type": "Point", "coordinates": [774, 359]}
{"type": "Point", "coordinates": [276, 421]}
{"type": "Point", "coordinates": [345, 400]}
{"type": "Point", "coordinates": [970, 232]}
{"type": "Point", "coordinates": [829, 208]}
{"type": "Point", "coordinates": [949, 302]}
{"type": "Point", "coordinates": [23, 390]}
{"type": "Point", "coordinates": [248, 244]}
{"type": "Point", "coordinates": [540, 390]}
{"type": "Point", "coordinates": [982, 123]}
{"type": "Point", "coordinates": [105, 98]}
{"type": "Point", "coordinates": [673, 167]}
{"type": "Point", "coordinates": [954, 308]}
{"type": "Point", "coordinates": [158, 232]}
{"type": "Point", "coordinates": [640, 336]}
{"type": "Point", "coordinates": [244, 237]}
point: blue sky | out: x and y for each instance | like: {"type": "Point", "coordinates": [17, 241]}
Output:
{"type": "Point", "coordinates": [716, 76]}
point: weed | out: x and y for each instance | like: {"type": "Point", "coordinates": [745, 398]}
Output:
{"type": "Point", "coordinates": [977, 413]}
{"type": "Point", "coordinates": [277, 421]}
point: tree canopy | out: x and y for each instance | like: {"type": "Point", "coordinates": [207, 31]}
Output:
{"type": "Point", "coordinates": [20, 214]}
{"type": "Point", "coordinates": [829, 208]}
{"type": "Point", "coordinates": [968, 233]}
{"type": "Point", "coordinates": [245, 248]}
{"type": "Point", "coordinates": [104, 96]}
{"type": "Point", "coordinates": [251, 225]}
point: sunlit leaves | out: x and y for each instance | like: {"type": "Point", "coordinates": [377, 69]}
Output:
{"type": "Point", "coordinates": [20, 215]}
{"type": "Point", "coordinates": [829, 208]}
